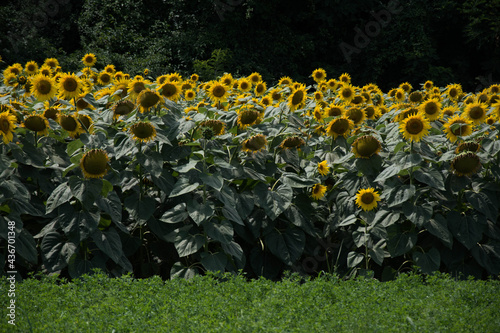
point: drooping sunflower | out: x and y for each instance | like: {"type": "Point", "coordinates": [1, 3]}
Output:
{"type": "Point", "coordinates": [319, 75]}
{"type": "Point", "coordinates": [457, 126]}
{"type": "Point", "coordinates": [276, 95]}
{"type": "Point", "coordinates": [37, 123]}
{"type": "Point", "coordinates": [346, 93]}
{"type": "Point", "coordinates": [120, 87]}
{"type": "Point", "coordinates": [143, 131]}
{"type": "Point", "coordinates": [357, 115]}
{"type": "Point", "coordinates": [431, 109]}
{"type": "Point", "coordinates": [43, 87]}
{"type": "Point", "coordinates": [248, 116]}
{"type": "Point", "coordinates": [170, 90]}
{"type": "Point", "coordinates": [218, 126]}
{"type": "Point", "coordinates": [318, 114]}
{"type": "Point", "coordinates": [147, 99]}
{"type": "Point", "coordinates": [7, 126]}
{"type": "Point", "coordinates": [466, 164]}
{"type": "Point", "coordinates": [318, 191]}
{"type": "Point", "coordinates": [415, 127]}
{"type": "Point", "coordinates": [449, 111]}
{"type": "Point", "coordinates": [341, 126]}
{"type": "Point", "coordinates": [70, 124]}
{"type": "Point", "coordinates": [367, 199]}
{"type": "Point", "coordinates": [323, 168]}
{"type": "Point", "coordinates": [366, 146]}
{"type": "Point", "coordinates": [292, 142]}
{"type": "Point", "coordinates": [89, 60]}
{"type": "Point", "coordinates": [122, 108]}
{"type": "Point", "coordinates": [357, 100]}
{"type": "Point", "coordinates": [476, 112]}
{"type": "Point", "coordinates": [70, 86]}
{"type": "Point", "coordinates": [254, 144]}
{"type": "Point", "coordinates": [297, 98]}
{"type": "Point", "coordinates": [94, 163]}
{"type": "Point", "coordinates": [31, 68]}
{"type": "Point", "coordinates": [468, 146]}
{"type": "Point", "coordinates": [260, 88]}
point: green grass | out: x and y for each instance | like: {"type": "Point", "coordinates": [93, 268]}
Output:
{"type": "Point", "coordinates": [204, 304]}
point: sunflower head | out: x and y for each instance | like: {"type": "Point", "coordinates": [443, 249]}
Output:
{"type": "Point", "coordinates": [346, 93]}
{"type": "Point", "coordinates": [7, 126]}
{"type": "Point", "coordinates": [466, 164]}
{"type": "Point", "coordinates": [457, 126]}
{"type": "Point", "coordinates": [218, 92]}
{"type": "Point", "coordinates": [254, 144]}
{"type": "Point", "coordinates": [323, 168]}
{"type": "Point", "coordinates": [416, 97]}
{"type": "Point", "coordinates": [89, 60]}
{"type": "Point", "coordinates": [285, 81]}
{"type": "Point", "coordinates": [37, 123]}
{"type": "Point", "coordinates": [476, 112]}
{"type": "Point", "coordinates": [70, 124]}
{"type": "Point", "coordinates": [248, 117]}
{"type": "Point", "coordinates": [292, 142]}
{"type": "Point", "coordinates": [318, 191]}
{"type": "Point", "coordinates": [407, 87]}
{"type": "Point", "coordinates": [341, 126]}
{"type": "Point", "coordinates": [104, 78]}
{"type": "Point", "coordinates": [345, 78]}
{"type": "Point", "coordinates": [297, 98]}
{"type": "Point", "coordinates": [70, 86]}
{"type": "Point", "coordinates": [94, 163]}
{"type": "Point", "coordinates": [194, 77]}
{"type": "Point", "coordinates": [431, 109]}
{"type": "Point", "coordinates": [366, 146]}
{"type": "Point", "coordinates": [319, 75]}
{"type": "Point", "coordinates": [260, 88]}
{"type": "Point", "coordinates": [428, 85]}
{"type": "Point", "coordinates": [31, 68]}
{"type": "Point", "coordinates": [471, 146]}
{"type": "Point", "coordinates": [367, 199]}
{"type": "Point", "coordinates": [217, 126]}
{"type": "Point", "coordinates": [357, 115]}
{"type": "Point", "coordinates": [147, 99]}
{"type": "Point", "coordinates": [143, 131]}
{"type": "Point", "coordinates": [255, 78]}
{"type": "Point", "coordinates": [170, 90]}
{"type": "Point", "coordinates": [43, 87]}
{"type": "Point", "coordinates": [415, 127]}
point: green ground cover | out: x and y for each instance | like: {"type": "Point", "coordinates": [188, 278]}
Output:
{"type": "Point", "coordinates": [233, 304]}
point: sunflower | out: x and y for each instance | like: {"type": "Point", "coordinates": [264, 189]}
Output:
{"type": "Point", "coordinates": [285, 81]}
{"type": "Point", "coordinates": [346, 93]}
{"type": "Point", "coordinates": [174, 77]}
{"type": "Point", "coordinates": [7, 126]}
{"type": "Point", "coordinates": [218, 92]}
{"type": "Point", "coordinates": [367, 198]}
{"type": "Point", "coordinates": [104, 78]}
{"type": "Point", "coordinates": [260, 88]}
{"type": "Point", "coordinates": [292, 142]}
{"type": "Point", "coordinates": [51, 62]}
{"type": "Point", "coordinates": [89, 60]}
{"type": "Point", "coordinates": [318, 96]}
{"type": "Point", "coordinates": [110, 69]}
{"type": "Point", "coordinates": [457, 126]}
{"type": "Point", "coordinates": [466, 164]}
{"type": "Point", "coordinates": [122, 108]}
{"type": "Point", "coordinates": [491, 120]}
{"type": "Point", "coordinates": [358, 100]}
{"type": "Point", "coordinates": [188, 85]}
{"type": "Point", "coordinates": [416, 97]}
{"type": "Point", "coordinates": [333, 84]}
{"type": "Point", "coordinates": [318, 114]}
{"type": "Point", "coordinates": [449, 111]}
{"type": "Point", "coordinates": [318, 191]}
{"type": "Point", "coordinates": [454, 91]}
{"type": "Point", "coordinates": [254, 144]}
{"type": "Point", "coordinates": [297, 98]}
{"type": "Point", "coordinates": [147, 99]}
{"type": "Point", "coordinates": [428, 85]}
{"type": "Point", "coordinates": [217, 126]}
{"type": "Point", "coordinates": [248, 117]}
{"type": "Point", "coordinates": [356, 115]}
{"type": "Point", "coordinates": [266, 101]}
{"type": "Point", "coordinates": [194, 77]}
{"type": "Point", "coordinates": [406, 87]}
{"type": "Point", "coordinates": [399, 95]}
{"type": "Point", "coordinates": [468, 146]}
{"type": "Point", "coordinates": [323, 168]}
{"type": "Point", "coordinates": [255, 78]}
{"type": "Point", "coordinates": [94, 163]}
{"type": "Point", "coordinates": [70, 86]}
{"type": "Point", "coordinates": [227, 79]}
{"type": "Point", "coordinates": [341, 126]}
{"type": "Point", "coordinates": [189, 95]}
{"type": "Point", "coordinates": [120, 87]}
{"type": "Point", "coordinates": [43, 87]}
{"type": "Point", "coordinates": [366, 146]}
{"type": "Point", "coordinates": [45, 70]}
{"type": "Point", "coordinates": [345, 78]}
{"type": "Point", "coordinates": [431, 109]}
{"type": "Point", "coordinates": [31, 68]}
{"type": "Point", "coordinates": [70, 124]}
{"type": "Point", "coordinates": [37, 123]}
{"type": "Point", "coordinates": [135, 87]}
{"type": "Point", "coordinates": [170, 90]}
{"type": "Point", "coordinates": [51, 111]}
{"type": "Point", "coordinates": [244, 85]}
{"type": "Point", "coordinates": [319, 75]}
{"type": "Point", "coordinates": [476, 112]}
{"type": "Point", "coordinates": [371, 112]}
{"type": "Point", "coordinates": [414, 127]}
{"type": "Point", "coordinates": [276, 95]}
{"type": "Point", "coordinates": [86, 122]}
{"type": "Point", "coordinates": [143, 131]}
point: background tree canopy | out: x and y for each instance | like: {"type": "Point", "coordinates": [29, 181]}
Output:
{"type": "Point", "coordinates": [385, 42]}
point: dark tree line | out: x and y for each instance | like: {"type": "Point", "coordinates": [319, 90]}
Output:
{"type": "Point", "coordinates": [386, 42]}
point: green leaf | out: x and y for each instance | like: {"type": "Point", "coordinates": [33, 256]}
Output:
{"type": "Point", "coordinates": [73, 146]}
{"type": "Point", "coordinates": [377, 252]}
{"type": "Point", "coordinates": [189, 244]}
{"type": "Point", "coordinates": [186, 167]}
{"type": "Point", "coordinates": [56, 252]}
{"type": "Point", "coordinates": [354, 259]}
{"type": "Point", "coordinates": [388, 172]}
{"type": "Point", "coordinates": [78, 266]}
{"type": "Point", "coordinates": [232, 214]}
{"type": "Point", "coordinates": [234, 249]}
{"type": "Point", "coordinates": [294, 215]}
{"type": "Point", "coordinates": [295, 181]}
{"type": "Point", "coordinates": [399, 194]}
{"type": "Point", "coordinates": [178, 270]}
{"type": "Point", "coordinates": [176, 214]}
{"type": "Point", "coordinates": [111, 205]}
{"type": "Point", "coordinates": [200, 212]}
{"type": "Point", "coordinates": [483, 204]}
{"type": "Point", "coordinates": [273, 202]}
{"type": "Point", "coordinates": [26, 246]}
{"type": "Point", "coordinates": [183, 186]}
{"type": "Point", "coordinates": [141, 209]}
{"type": "Point", "coordinates": [431, 177]}
{"type": "Point", "coordinates": [215, 262]}
{"type": "Point", "coordinates": [85, 190]}
{"type": "Point", "coordinates": [385, 217]}
{"type": "Point", "coordinates": [215, 180]}
{"type": "Point", "coordinates": [439, 228]}
{"type": "Point", "coordinates": [124, 146]}
{"type": "Point", "coordinates": [399, 241]}
{"type": "Point", "coordinates": [418, 214]}
{"type": "Point", "coordinates": [411, 160]}
{"type": "Point", "coordinates": [220, 231]}
{"type": "Point", "coordinates": [154, 163]}
{"type": "Point", "coordinates": [351, 219]}
{"type": "Point", "coordinates": [287, 246]}
{"type": "Point", "coordinates": [428, 262]}
{"type": "Point", "coordinates": [106, 188]}
{"type": "Point", "coordinates": [109, 242]}
{"type": "Point", "coordinates": [488, 256]}
{"type": "Point", "coordinates": [468, 230]}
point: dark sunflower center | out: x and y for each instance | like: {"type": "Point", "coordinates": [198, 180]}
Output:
{"type": "Point", "coordinates": [334, 111]}
{"type": "Point", "coordinates": [50, 113]}
{"type": "Point", "coordinates": [169, 90]}
{"type": "Point", "coordinates": [476, 112]}
{"type": "Point", "coordinates": [81, 104]}
{"type": "Point", "coordinates": [369, 111]}
{"type": "Point", "coordinates": [124, 108]}
{"type": "Point", "coordinates": [260, 88]}
{"type": "Point", "coordinates": [138, 87]}
{"type": "Point", "coordinates": [95, 162]}
{"type": "Point", "coordinates": [366, 146]}
{"type": "Point", "coordinates": [4, 125]}
{"type": "Point", "coordinates": [248, 116]}
{"type": "Point", "coordinates": [105, 78]}
{"type": "Point", "coordinates": [219, 91]}
{"type": "Point", "coordinates": [293, 142]}
{"type": "Point", "coordinates": [143, 130]}
{"type": "Point", "coordinates": [355, 115]}
{"type": "Point", "coordinates": [367, 198]}
{"type": "Point", "coordinates": [255, 143]}
{"type": "Point", "coordinates": [44, 87]}
{"type": "Point", "coordinates": [244, 85]}
{"type": "Point", "coordinates": [459, 125]}
{"type": "Point", "coordinates": [297, 97]}
{"type": "Point", "coordinates": [89, 59]}
{"type": "Point", "coordinates": [31, 68]}
{"type": "Point", "coordinates": [466, 163]}
{"type": "Point", "coordinates": [35, 123]}
{"type": "Point", "coordinates": [414, 126]}
{"type": "Point", "coordinates": [149, 99]}
{"type": "Point", "coordinates": [85, 121]}
{"type": "Point", "coordinates": [346, 93]}
{"type": "Point", "coordinates": [70, 84]}
{"type": "Point", "coordinates": [453, 92]}
{"type": "Point", "coordinates": [68, 123]}
{"type": "Point", "coordinates": [431, 108]}
{"type": "Point", "coordinates": [276, 96]}
{"type": "Point", "coordinates": [340, 126]}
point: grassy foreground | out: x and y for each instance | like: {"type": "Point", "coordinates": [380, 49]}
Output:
{"type": "Point", "coordinates": [204, 304]}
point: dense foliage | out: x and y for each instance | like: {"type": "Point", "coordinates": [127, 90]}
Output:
{"type": "Point", "coordinates": [376, 41]}
{"type": "Point", "coordinates": [206, 304]}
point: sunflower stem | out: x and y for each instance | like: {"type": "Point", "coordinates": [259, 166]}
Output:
{"type": "Point", "coordinates": [140, 172]}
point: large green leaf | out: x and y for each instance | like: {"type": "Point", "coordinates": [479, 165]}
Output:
{"type": "Point", "coordinates": [354, 259]}
{"type": "Point", "coordinates": [400, 241]}
{"type": "Point", "coordinates": [85, 190]}
{"type": "Point", "coordinates": [141, 209]}
{"type": "Point", "coordinates": [215, 262]}
{"type": "Point", "coordinates": [399, 194]}
{"type": "Point", "coordinates": [183, 186]}
{"type": "Point", "coordinates": [175, 215]}
{"type": "Point", "coordinates": [439, 228]}
{"type": "Point", "coordinates": [111, 205]}
{"type": "Point", "coordinates": [234, 249]}
{"type": "Point", "coordinates": [483, 203]}
{"type": "Point", "coordinates": [213, 180]}
{"type": "Point", "coordinates": [189, 244]}
{"type": "Point", "coordinates": [56, 251]}
{"type": "Point", "coordinates": [221, 231]}
{"type": "Point", "coordinates": [418, 214]}
{"type": "Point", "coordinates": [294, 215]}
{"type": "Point", "coordinates": [200, 211]}
{"type": "Point", "coordinates": [296, 181]}
{"type": "Point", "coordinates": [377, 252]}
{"type": "Point", "coordinates": [385, 217]}
{"type": "Point", "coordinates": [109, 242]}
{"type": "Point", "coordinates": [431, 177]}
{"type": "Point", "coordinates": [26, 246]}
{"type": "Point", "coordinates": [287, 246]}
{"type": "Point", "coordinates": [153, 163]}
{"type": "Point", "coordinates": [468, 230]}
{"type": "Point", "coordinates": [178, 270]}
{"type": "Point", "coordinates": [78, 266]}
{"type": "Point", "coordinates": [488, 256]}
{"type": "Point", "coordinates": [388, 172]}
{"type": "Point", "coordinates": [274, 202]}
{"type": "Point", "coordinates": [428, 262]}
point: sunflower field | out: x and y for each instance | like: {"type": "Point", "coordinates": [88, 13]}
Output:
{"type": "Point", "coordinates": [173, 176]}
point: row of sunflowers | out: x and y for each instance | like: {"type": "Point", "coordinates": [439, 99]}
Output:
{"type": "Point", "coordinates": [175, 176]}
